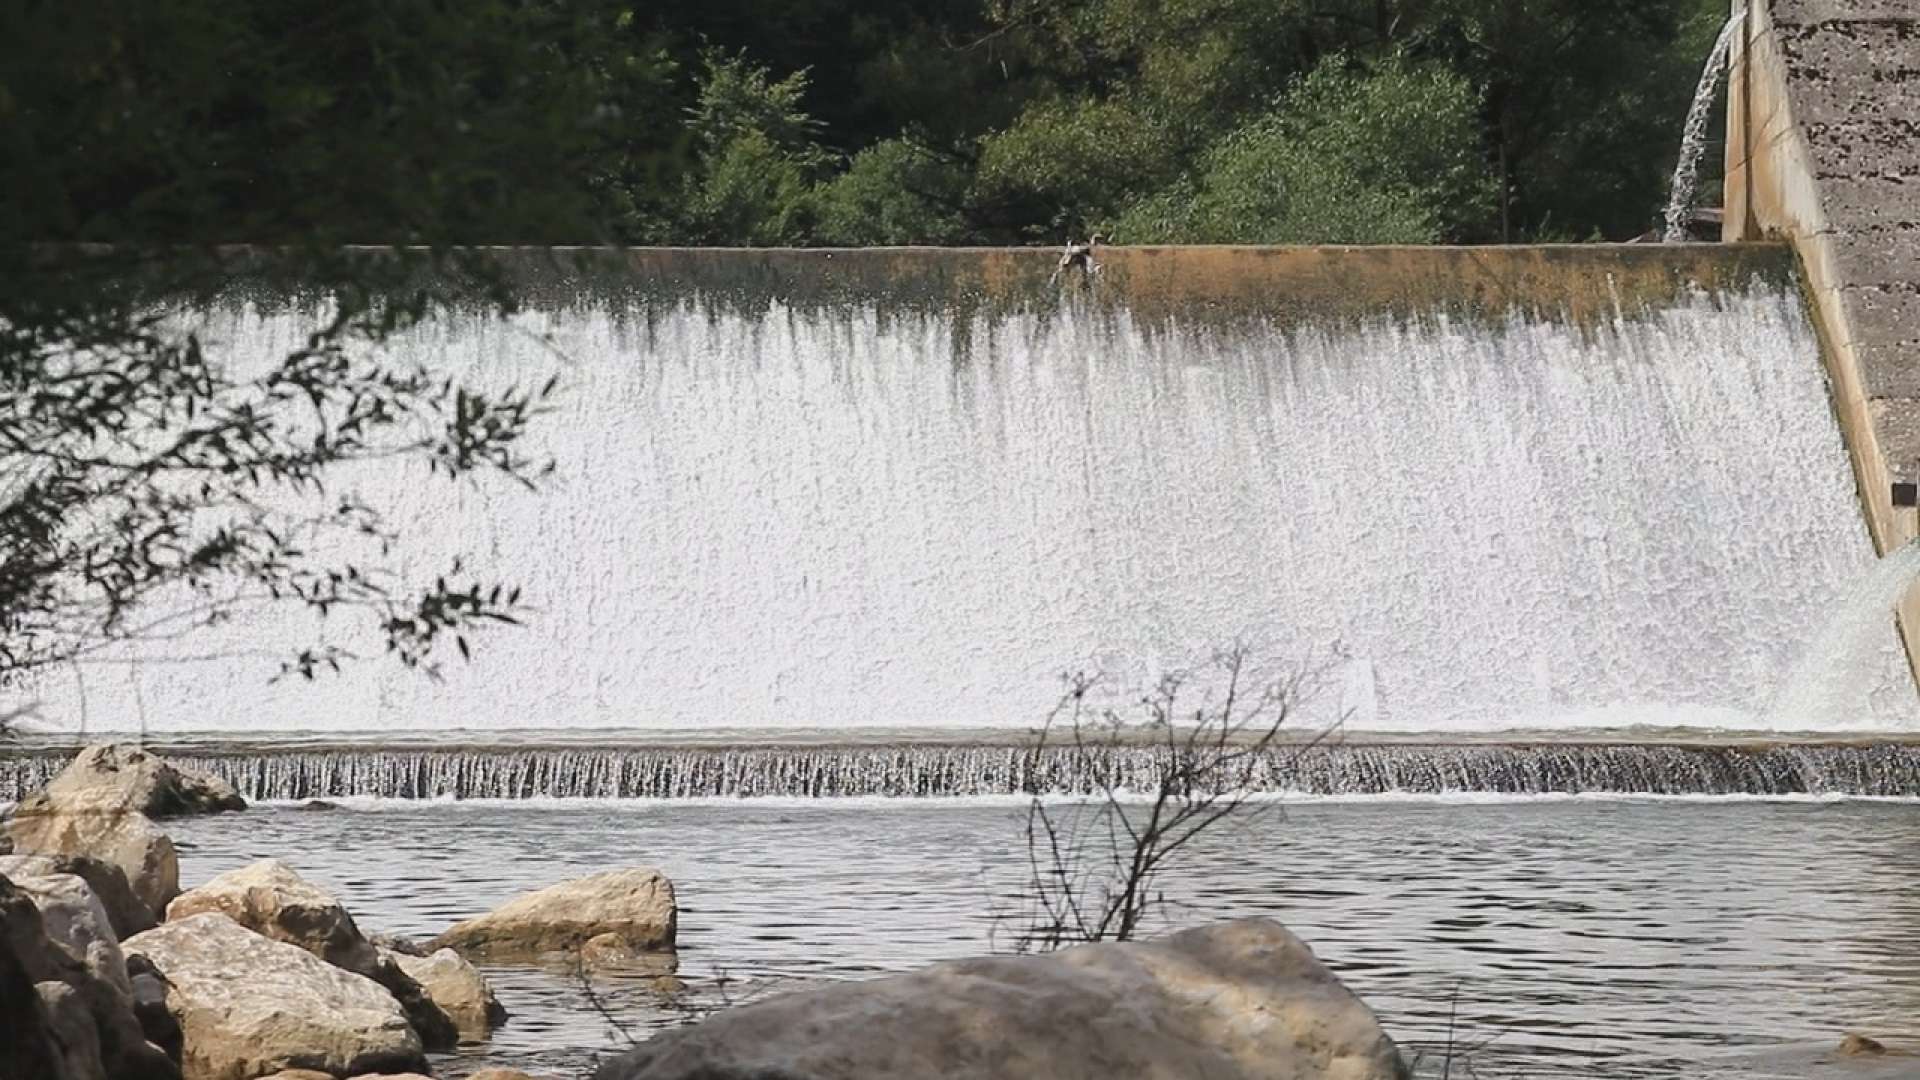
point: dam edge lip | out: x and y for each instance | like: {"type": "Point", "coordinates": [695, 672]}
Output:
{"type": "Point", "coordinates": [1222, 285]}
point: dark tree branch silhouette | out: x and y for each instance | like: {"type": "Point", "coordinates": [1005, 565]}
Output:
{"type": "Point", "coordinates": [1095, 865]}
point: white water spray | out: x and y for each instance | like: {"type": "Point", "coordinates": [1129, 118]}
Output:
{"type": "Point", "coordinates": [1834, 682]}
{"type": "Point", "coordinates": [842, 518]}
{"type": "Point", "coordinates": [1693, 139]}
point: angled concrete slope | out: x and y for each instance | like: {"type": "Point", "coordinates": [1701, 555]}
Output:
{"type": "Point", "coordinates": [1823, 148]}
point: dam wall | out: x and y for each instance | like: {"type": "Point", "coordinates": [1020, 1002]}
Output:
{"type": "Point", "coordinates": [973, 769]}
{"type": "Point", "coordinates": [1823, 150]}
{"type": "Point", "coordinates": [1469, 490]}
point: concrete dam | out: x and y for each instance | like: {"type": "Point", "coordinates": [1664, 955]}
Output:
{"type": "Point", "coordinates": [1556, 499]}
{"type": "Point", "coordinates": [1481, 489]}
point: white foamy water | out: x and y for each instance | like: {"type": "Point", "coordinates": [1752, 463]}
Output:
{"type": "Point", "coordinates": [1837, 674]}
{"type": "Point", "coordinates": [843, 520]}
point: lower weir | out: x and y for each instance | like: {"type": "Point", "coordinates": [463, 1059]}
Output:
{"type": "Point", "coordinates": [945, 770]}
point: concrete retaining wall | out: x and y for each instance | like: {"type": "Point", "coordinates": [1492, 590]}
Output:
{"type": "Point", "coordinates": [1823, 149]}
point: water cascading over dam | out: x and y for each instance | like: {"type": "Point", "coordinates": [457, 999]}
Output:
{"type": "Point", "coordinates": [1513, 488]}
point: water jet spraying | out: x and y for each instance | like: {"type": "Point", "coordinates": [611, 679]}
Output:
{"type": "Point", "coordinates": [1693, 139]}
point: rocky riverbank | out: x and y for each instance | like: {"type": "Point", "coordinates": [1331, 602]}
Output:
{"type": "Point", "coordinates": [109, 971]}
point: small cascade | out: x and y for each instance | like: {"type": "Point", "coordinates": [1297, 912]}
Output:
{"type": "Point", "coordinates": [1693, 138]}
{"type": "Point", "coordinates": [932, 771]}
{"type": "Point", "coordinates": [1829, 684]}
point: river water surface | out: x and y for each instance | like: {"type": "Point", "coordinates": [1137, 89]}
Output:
{"type": "Point", "coordinates": [1583, 936]}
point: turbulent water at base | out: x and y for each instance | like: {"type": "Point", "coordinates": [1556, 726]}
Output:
{"type": "Point", "coordinates": [842, 518]}
{"type": "Point", "coordinates": [1828, 682]}
{"type": "Point", "coordinates": [942, 771]}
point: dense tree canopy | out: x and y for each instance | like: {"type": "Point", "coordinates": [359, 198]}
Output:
{"type": "Point", "coordinates": [1013, 121]}
{"type": "Point", "coordinates": [844, 121]}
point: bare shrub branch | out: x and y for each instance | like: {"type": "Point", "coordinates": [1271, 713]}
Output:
{"type": "Point", "coordinates": [1095, 863]}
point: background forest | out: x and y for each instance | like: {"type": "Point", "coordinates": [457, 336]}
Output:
{"type": "Point", "coordinates": [846, 121]}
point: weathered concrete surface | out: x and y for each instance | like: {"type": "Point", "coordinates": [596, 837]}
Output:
{"type": "Point", "coordinates": [1823, 149]}
{"type": "Point", "coordinates": [1229, 286]}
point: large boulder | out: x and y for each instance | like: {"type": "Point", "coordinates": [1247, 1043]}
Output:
{"type": "Point", "coordinates": [30, 1049]}
{"type": "Point", "coordinates": [635, 906]}
{"type": "Point", "coordinates": [72, 1029]}
{"type": "Point", "coordinates": [76, 923]}
{"type": "Point", "coordinates": [115, 777]}
{"type": "Point", "coordinates": [249, 1006]}
{"type": "Point", "coordinates": [1236, 1000]}
{"type": "Point", "coordinates": [269, 898]}
{"type": "Point", "coordinates": [124, 838]}
{"type": "Point", "coordinates": [54, 933]}
{"type": "Point", "coordinates": [458, 988]}
{"type": "Point", "coordinates": [127, 912]}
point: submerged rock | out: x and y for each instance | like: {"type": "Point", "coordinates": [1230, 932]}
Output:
{"type": "Point", "coordinates": [269, 898]}
{"type": "Point", "coordinates": [1240, 999]}
{"type": "Point", "coordinates": [636, 906]}
{"type": "Point", "coordinates": [1854, 1044]}
{"type": "Point", "coordinates": [397, 943]}
{"type": "Point", "coordinates": [458, 988]}
{"type": "Point", "coordinates": [116, 777]}
{"type": "Point", "coordinates": [249, 1006]}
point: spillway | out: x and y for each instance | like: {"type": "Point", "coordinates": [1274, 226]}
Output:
{"type": "Point", "coordinates": [1536, 488]}
{"type": "Point", "coordinates": [943, 769]}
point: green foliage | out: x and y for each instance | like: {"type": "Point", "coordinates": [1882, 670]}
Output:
{"type": "Point", "coordinates": [739, 98]}
{"type": "Point", "coordinates": [242, 121]}
{"type": "Point", "coordinates": [894, 192]}
{"type": "Point", "coordinates": [758, 158]}
{"type": "Point", "coordinates": [734, 121]}
{"type": "Point", "coordinates": [1065, 164]}
{"type": "Point", "coordinates": [1349, 155]}
{"type": "Point", "coordinates": [750, 192]}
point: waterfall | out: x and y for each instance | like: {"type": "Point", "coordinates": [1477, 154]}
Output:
{"type": "Point", "coordinates": [1693, 137]}
{"type": "Point", "coordinates": [855, 514]}
{"type": "Point", "coordinates": [929, 771]}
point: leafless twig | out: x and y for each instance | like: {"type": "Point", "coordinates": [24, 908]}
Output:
{"type": "Point", "coordinates": [1095, 865]}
